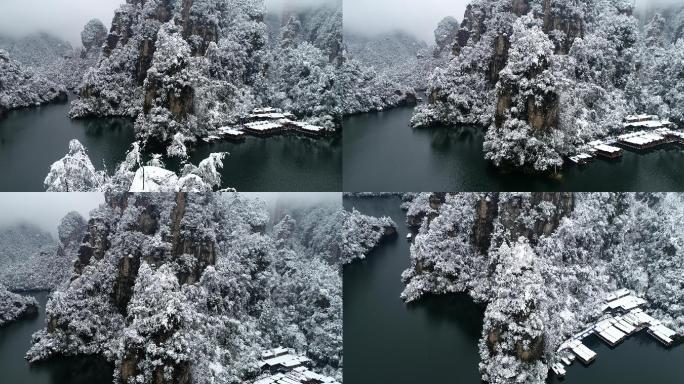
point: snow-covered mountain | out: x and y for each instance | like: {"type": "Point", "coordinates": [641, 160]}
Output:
{"type": "Point", "coordinates": [547, 77]}
{"type": "Point", "coordinates": [189, 288]}
{"type": "Point", "coordinates": [543, 263]}
{"type": "Point", "coordinates": [191, 66]}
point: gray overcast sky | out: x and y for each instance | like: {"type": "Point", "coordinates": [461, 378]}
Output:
{"type": "Point", "coordinates": [418, 17]}
{"type": "Point", "coordinates": [45, 209]}
{"type": "Point", "coordinates": [66, 18]}
{"type": "Point", "coordinates": [298, 198]}
{"type": "Point", "coordinates": [62, 18]}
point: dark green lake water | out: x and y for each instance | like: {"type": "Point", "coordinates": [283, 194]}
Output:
{"type": "Point", "coordinates": [32, 139]}
{"type": "Point", "coordinates": [15, 340]}
{"type": "Point", "coordinates": [435, 340]}
{"type": "Point", "coordinates": [381, 153]}
{"type": "Point", "coordinates": [386, 341]}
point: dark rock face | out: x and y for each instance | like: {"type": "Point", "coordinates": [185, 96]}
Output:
{"type": "Point", "coordinates": [93, 37]}
{"type": "Point", "coordinates": [120, 233]}
{"type": "Point", "coordinates": [95, 245]}
{"type": "Point", "coordinates": [540, 110]}
{"type": "Point", "coordinates": [520, 7]}
{"type": "Point", "coordinates": [445, 36]}
{"type": "Point", "coordinates": [3, 112]}
{"type": "Point", "coordinates": [499, 59]}
{"type": "Point", "coordinates": [512, 209]}
{"type": "Point", "coordinates": [486, 210]}
{"type": "Point", "coordinates": [557, 17]}
{"type": "Point", "coordinates": [120, 32]}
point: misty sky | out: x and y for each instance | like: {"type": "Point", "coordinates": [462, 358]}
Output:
{"type": "Point", "coordinates": [66, 18]}
{"type": "Point", "coordinates": [62, 18]}
{"type": "Point", "coordinates": [418, 17]}
{"type": "Point", "coordinates": [45, 209]}
{"type": "Point", "coordinates": [297, 198]}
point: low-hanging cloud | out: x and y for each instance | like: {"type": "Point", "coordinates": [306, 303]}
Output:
{"type": "Point", "coordinates": [45, 210]}
{"type": "Point", "coordinates": [62, 18]}
{"type": "Point", "coordinates": [417, 17]}
{"type": "Point", "coordinates": [276, 6]}
{"type": "Point", "coordinates": [66, 18]}
{"type": "Point", "coordinates": [296, 199]}
{"type": "Point", "coordinates": [657, 3]}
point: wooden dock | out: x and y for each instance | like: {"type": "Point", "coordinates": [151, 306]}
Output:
{"type": "Point", "coordinates": [623, 316]}
{"type": "Point", "coordinates": [580, 350]}
{"type": "Point", "coordinates": [283, 366]}
{"type": "Point", "coordinates": [264, 128]}
{"type": "Point", "coordinates": [232, 134]}
{"type": "Point", "coordinates": [642, 140]}
{"type": "Point", "coordinates": [608, 151]}
{"type": "Point", "coordinates": [558, 369]}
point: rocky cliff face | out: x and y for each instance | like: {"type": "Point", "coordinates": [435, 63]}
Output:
{"type": "Point", "coordinates": [564, 22]}
{"type": "Point", "coordinates": [485, 35]}
{"type": "Point", "coordinates": [482, 244]}
{"type": "Point", "coordinates": [178, 66]}
{"type": "Point", "coordinates": [131, 231]}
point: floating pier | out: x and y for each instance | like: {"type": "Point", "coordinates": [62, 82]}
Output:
{"type": "Point", "coordinates": [654, 132]}
{"type": "Point", "coordinates": [646, 121]}
{"type": "Point", "coordinates": [308, 129]}
{"type": "Point", "coordinates": [211, 138]}
{"type": "Point", "coordinates": [232, 134]}
{"type": "Point", "coordinates": [662, 333]}
{"type": "Point", "coordinates": [283, 366]}
{"type": "Point", "coordinates": [642, 140]}
{"type": "Point", "coordinates": [558, 369]}
{"type": "Point", "coordinates": [608, 151]}
{"type": "Point", "coordinates": [264, 128]}
{"type": "Point", "coordinates": [265, 122]}
{"type": "Point", "coordinates": [580, 350]}
{"type": "Point", "coordinates": [608, 333]}
{"type": "Point", "coordinates": [623, 317]}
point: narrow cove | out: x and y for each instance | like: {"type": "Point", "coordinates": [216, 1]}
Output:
{"type": "Point", "coordinates": [15, 340]}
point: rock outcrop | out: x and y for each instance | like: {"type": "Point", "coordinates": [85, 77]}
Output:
{"type": "Point", "coordinates": [132, 232]}
{"type": "Point", "coordinates": [15, 307]}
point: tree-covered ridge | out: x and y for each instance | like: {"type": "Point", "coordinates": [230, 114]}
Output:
{"type": "Point", "coordinates": [14, 307]}
{"type": "Point", "coordinates": [31, 260]}
{"type": "Point", "coordinates": [190, 288]}
{"type": "Point", "coordinates": [388, 70]}
{"type": "Point", "coordinates": [544, 262]}
{"type": "Point", "coordinates": [362, 233]}
{"type": "Point", "coordinates": [548, 77]}
{"type": "Point", "coordinates": [41, 68]}
{"type": "Point", "coordinates": [21, 87]}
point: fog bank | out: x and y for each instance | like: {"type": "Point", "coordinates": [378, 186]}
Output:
{"type": "Point", "coordinates": [45, 210]}
{"type": "Point", "coordinates": [417, 17]}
